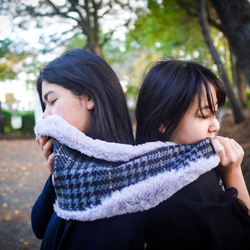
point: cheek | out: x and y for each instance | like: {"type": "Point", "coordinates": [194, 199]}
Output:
{"type": "Point", "coordinates": [196, 132]}
{"type": "Point", "coordinates": [61, 111]}
{"type": "Point", "coordinates": [77, 115]}
{"type": "Point", "coordinates": [186, 133]}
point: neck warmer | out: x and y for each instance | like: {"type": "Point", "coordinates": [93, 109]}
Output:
{"type": "Point", "coordinates": [94, 179]}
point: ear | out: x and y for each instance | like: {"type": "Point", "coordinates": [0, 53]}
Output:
{"type": "Point", "coordinates": [90, 103]}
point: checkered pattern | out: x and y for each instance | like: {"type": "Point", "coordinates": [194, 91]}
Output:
{"type": "Point", "coordinates": [82, 182]}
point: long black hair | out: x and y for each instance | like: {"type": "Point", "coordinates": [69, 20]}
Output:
{"type": "Point", "coordinates": [83, 72]}
{"type": "Point", "coordinates": [166, 93]}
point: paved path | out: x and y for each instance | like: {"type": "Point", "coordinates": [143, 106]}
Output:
{"type": "Point", "coordinates": [22, 176]}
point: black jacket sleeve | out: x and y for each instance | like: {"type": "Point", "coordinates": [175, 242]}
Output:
{"type": "Point", "coordinates": [43, 209]}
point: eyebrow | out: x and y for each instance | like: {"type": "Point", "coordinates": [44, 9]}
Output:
{"type": "Point", "coordinates": [207, 106]}
{"type": "Point", "coordinates": [45, 97]}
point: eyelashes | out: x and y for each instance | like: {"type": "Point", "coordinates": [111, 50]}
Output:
{"type": "Point", "coordinates": [205, 114]}
{"type": "Point", "coordinates": [49, 103]}
{"type": "Point", "coordinates": [53, 102]}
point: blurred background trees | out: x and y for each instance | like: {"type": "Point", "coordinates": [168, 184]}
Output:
{"type": "Point", "coordinates": [131, 34]}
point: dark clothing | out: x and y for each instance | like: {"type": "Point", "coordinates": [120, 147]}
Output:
{"type": "Point", "coordinates": [119, 232]}
{"type": "Point", "coordinates": [200, 216]}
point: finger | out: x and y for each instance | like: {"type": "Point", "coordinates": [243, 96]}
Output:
{"type": "Point", "coordinates": [43, 141]}
{"type": "Point", "coordinates": [38, 140]}
{"type": "Point", "coordinates": [50, 162]}
{"type": "Point", "coordinates": [233, 152]}
{"type": "Point", "coordinates": [218, 147]}
{"type": "Point", "coordinates": [237, 147]}
{"type": "Point", "coordinates": [231, 147]}
{"type": "Point", "coordinates": [47, 149]}
{"type": "Point", "coordinates": [227, 142]}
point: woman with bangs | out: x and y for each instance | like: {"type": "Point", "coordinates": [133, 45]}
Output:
{"type": "Point", "coordinates": [178, 101]}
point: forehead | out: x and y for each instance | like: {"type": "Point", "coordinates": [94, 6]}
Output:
{"type": "Point", "coordinates": [52, 87]}
{"type": "Point", "coordinates": [210, 93]}
{"type": "Point", "coordinates": [202, 102]}
{"type": "Point", "coordinates": [46, 85]}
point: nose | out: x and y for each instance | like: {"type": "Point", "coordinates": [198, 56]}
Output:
{"type": "Point", "coordinates": [214, 125]}
{"type": "Point", "coordinates": [46, 113]}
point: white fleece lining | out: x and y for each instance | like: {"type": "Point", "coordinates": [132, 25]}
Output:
{"type": "Point", "coordinates": [137, 197]}
{"type": "Point", "coordinates": [56, 127]}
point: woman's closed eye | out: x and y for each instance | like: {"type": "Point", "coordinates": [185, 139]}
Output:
{"type": "Point", "coordinates": [208, 114]}
{"type": "Point", "coordinates": [52, 102]}
{"type": "Point", "coordinates": [49, 103]}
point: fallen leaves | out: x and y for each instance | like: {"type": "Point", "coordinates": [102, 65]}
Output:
{"type": "Point", "coordinates": [23, 173]}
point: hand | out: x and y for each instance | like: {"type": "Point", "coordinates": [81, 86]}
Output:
{"type": "Point", "coordinates": [230, 152]}
{"type": "Point", "coordinates": [231, 155]}
{"type": "Point", "coordinates": [46, 144]}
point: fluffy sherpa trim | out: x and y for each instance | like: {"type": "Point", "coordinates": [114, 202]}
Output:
{"type": "Point", "coordinates": [143, 194]}
{"type": "Point", "coordinates": [56, 127]}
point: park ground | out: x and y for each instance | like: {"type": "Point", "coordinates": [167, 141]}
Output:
{"type": "Point", "coordinates": [23, 174]}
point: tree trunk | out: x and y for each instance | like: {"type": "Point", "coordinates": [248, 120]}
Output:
{"type": "Point", "coordinates": [238, 114]}
{"type": "Point", "coordinates": [238, 78]}
{"type": "Point", "coordinates": [95, 48]}
{"type": "Point", "coordinates": [235, 22]}
{"type": "Point", "coordinates": [241, 85]}
{"type": "Point", "coordinates": [93, 43]}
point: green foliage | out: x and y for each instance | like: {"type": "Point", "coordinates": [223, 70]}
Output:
{"type": "Point", "coordinates": [32, 66]}
{"type": "Point", "coordinates": [12, 59]}
{"type": "Point", "coordinates": [112, 49]}
{"type": "Point", "coordinates": [28, 123]}
{"type": "Point", "coordinates": [6, 120]}
{"type": "Point", "coordinates": [78, 41]}
{"type": "Point", "coordinates": [131, 69]}
{"type": "Point", "coordinates": [4, 47]}
{"type": "Point", "coordinates": [172, 29]}
{"type": "Point", "coordinates": [248, 95]}
{"type": "Point", "coordinates": [78, 17]}
{"type": "Point", "coordinates": [227, 103]}
{"type": "Point", "coordinates": [6, 70]}
{"type": "Point", "coordinates": [167, 27]}
{"type": "Point", "coordinates": [248, 99]}
{"type": "Point", "coordinates": [6, 112]}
